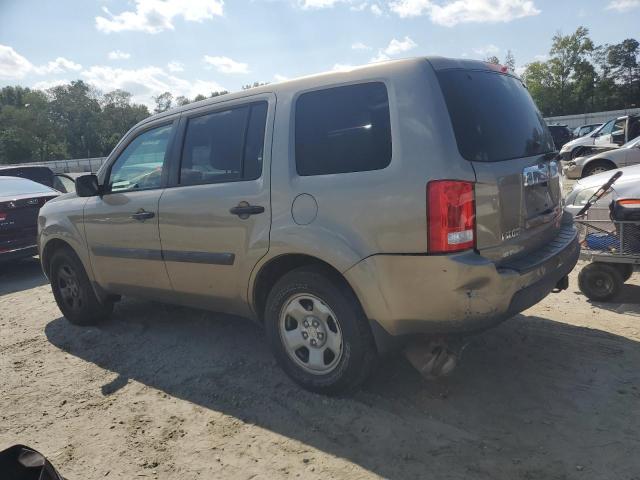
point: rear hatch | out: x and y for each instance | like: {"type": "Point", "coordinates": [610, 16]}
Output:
{"type": "Point", "coordinates": [501, 132]}
{"type": "Point", "coordinates": [19, 220]}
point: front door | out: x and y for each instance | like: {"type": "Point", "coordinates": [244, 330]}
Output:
{"type": "Point", "coordinates": [215, 221]}
{"type": "Point", "coordinates": [121, 225]}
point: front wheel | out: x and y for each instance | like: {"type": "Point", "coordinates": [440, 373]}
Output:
{"type": "Point", "coordinates": [600, 282]}
{"type": "Point", "coordinates": [73, 291]}
{"type": "Point", "coordinates": [318, 331]}
{"type": "Point", "coordinates": [597, 167]}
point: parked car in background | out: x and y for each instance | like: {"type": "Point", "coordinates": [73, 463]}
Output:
{"type": "Point", "coordinates": [618, 131]}
{"type": "Point", "coordinates": [628, 154]}
{"type": "Point", "coordinates": [561, 135]}
{"type": "Point", "coordinates": [36, 173]}
{"type": "Point", "coordinates": [627, 186]}
{"type": "Point", "coordinates": [63, 182]}
{"type": "Point", "coordinates": [20, 201]}
{"type": "Point", "coordinates": [585, 129]}
{"type": "Point", "coordinates": [335, 219]}
{"type": "Point", "coordinates": [612, 134]}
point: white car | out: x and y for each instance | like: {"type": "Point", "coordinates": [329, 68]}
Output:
{"type": "Point", "coordinates": [628, 154]}
{"type": "Point", "coordinates": [628, 185]}
{"type": "Point", "coordinates": [612, 134]}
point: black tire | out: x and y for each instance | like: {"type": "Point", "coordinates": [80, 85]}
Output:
{"type": "Point", "coordinates": [358, 351]}
{"type": "Point", "coordinates": [73, 291]}
{"type": "Point", "coordinates": [597, 167]}
{"type": "Point", "coordinates": [625, 269]}
{"type": "Point", "coordinates": [600, 282]}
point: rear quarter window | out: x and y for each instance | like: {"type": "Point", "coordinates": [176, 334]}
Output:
{"type": "Point", "coordinates": [343, 129]}
{"type": "Point", "coordinates": [493, 116]}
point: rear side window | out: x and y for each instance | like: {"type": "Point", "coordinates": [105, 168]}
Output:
{"type": "Point", "coordinates": [493, 116]}
{"type": "Point", "coordinates": [224, 146]}
{"type": "Point", "coordinates": [343, 129]}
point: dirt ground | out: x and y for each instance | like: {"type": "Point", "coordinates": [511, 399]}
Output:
{"type": "Point", "coordinates": [166, 392]}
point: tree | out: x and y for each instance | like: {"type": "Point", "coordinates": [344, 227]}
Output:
{"type": "Point", "coordinates": [492, 59]}
{"type": "Point", "coordinates": [510, 61]}
{"type": "Point", "coordinates": [623, 60]}
{"type": "Point", "coordinates": [254, 85]}
{"type": "Point", "coordinates": [163, 102]}
{"type": "Point", "coordinates": [182, 100]}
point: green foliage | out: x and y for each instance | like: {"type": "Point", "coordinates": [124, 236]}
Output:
{"type": "Point", "coordinates": [580, 77]}
{"type": "Point", "coordinates": [66, 121]}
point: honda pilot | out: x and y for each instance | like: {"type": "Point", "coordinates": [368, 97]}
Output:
{"type": "Point", "coordinates": [346, 212]}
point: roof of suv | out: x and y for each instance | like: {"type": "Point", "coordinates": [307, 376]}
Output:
{"type": "Point", "coordinates": [346, 75]}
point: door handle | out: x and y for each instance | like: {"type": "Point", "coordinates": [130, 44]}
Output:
{"type": "Point", "coordinates": [142, 215]}
{"type": "Point", "coordinates": [244, 210]}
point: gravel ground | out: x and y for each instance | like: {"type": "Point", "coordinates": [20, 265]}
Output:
{"type": "Point", "coordinates": [168, 392]}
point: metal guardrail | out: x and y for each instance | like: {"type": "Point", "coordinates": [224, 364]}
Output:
{"type": "Point", "coordinates": [77, 165]}
{"type": "Point", "coordinates": [573, 121]}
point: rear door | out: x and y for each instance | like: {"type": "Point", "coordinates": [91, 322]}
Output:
{"type": "Point", "coordinates": [500, 131]}
{"type": "Point", "coordinates": [216, 215]}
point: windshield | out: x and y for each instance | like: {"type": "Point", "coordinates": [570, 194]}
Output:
{"type": "Point", "coordinates": [493, 116]}
{"type": "Point", "coordinates": [11, 186]}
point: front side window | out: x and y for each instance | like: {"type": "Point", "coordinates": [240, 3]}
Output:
{"type": "Point", "coordinates": [343, 129]}
{"type": "Point", "coordinates": [607, 129]}
{"type": "Point", "coordinates": [224, 146]}
{"type": "Point", "coordinates": [139, 166]}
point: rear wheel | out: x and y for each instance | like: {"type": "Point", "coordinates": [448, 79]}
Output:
{"type": "Point", "coordinates": [318, 331]}
{"type": "Point", "coordinates": [600, 282]}
{"type": "Point", "coordinates": [73, 291]}
{"type": "Point", "coordinates": [597, 167]}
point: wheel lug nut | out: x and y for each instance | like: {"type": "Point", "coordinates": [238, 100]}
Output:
{"type": "Point", "coordinates": [305, 335]}
{"type": "Point", "coordinates": [320, 335]}
{"type": "Point", "coordinates": [315, 323]}
{"type": "Point", "coordinates": [305, 323]}
{"type": "Point", "coordinates": [313, 342]}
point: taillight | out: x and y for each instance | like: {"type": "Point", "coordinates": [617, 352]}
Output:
{"type": "Point", "coordinates": [451, 216]}
{"type": "Point", "coordinates": [3, 216]}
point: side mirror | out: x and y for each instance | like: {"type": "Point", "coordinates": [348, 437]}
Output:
{"type": "Point", "coordinates": [87, 186]}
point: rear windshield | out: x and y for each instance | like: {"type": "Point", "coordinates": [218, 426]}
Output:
{"type": "Point", "coordinates": [493, 116]}
{"type": "Point", "coordinates": [10, 186]}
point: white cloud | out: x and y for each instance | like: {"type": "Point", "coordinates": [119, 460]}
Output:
{"type": "Point", "coordinates": [376, 10]}
{"type": "Point", "coordinates": [12, 64]}
{"type": "Point", "coordinates": [623, 5]}
{"type": "Point", "coordinates": [314, 4]}
{"type": "Point", "coordinates": [15, 66]}
{"type": "Point", "coordinates": [452, 12]}
{"type": "Point", "coordinates": [280, 78]}
{"type": "Point", "coordinates": [395, 47]}
{"type": "Point", "coordinates": [47, 84]}
{"type": "Point", "coordinates": [342, 67]}
{"type": "Point", "coordinates": [118, 55]}
{"type": "Point", "coordinates": [147, 82]}
{"type": "Point", "coordinates": [359, 7]}
{"type": "Point", "coordinates": [399, 46]}
{"type": "Point", "coordinates": [226, 65]}
{"type": "Point", "coordinates": [175, 66]}
{"type": "Point", "coordinates": [487, 50]}
{"type": "Point", "coordinates": [360, 46]}
{"type": "Point", "coordinates": [154, 16]}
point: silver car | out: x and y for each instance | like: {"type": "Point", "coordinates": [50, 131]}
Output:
{"type": "Point", "coordinates": [628, 154]}
{"type": "Point", "coordinates": [346, 212]}
{"type": "Point", "coordinates": [627, 186]}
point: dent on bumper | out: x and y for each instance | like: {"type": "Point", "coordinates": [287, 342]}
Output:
{"type": "Point", "coordinates": [409, 294]}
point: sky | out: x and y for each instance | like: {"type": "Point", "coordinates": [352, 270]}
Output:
{"type": "Point", "coordinates": [189, 47]}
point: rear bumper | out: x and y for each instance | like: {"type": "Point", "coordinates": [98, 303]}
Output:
{"type": "Point", "coordinates": [18, 253]}
{"type": "Point", "coordinates": [420, 294]}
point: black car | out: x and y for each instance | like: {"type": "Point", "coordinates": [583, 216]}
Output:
{"type": "Point", "coordinates": [561, 135]}
{"type": "Point", "coordinates": [63, 182]}
{"type": "Point", "coordinates": [20, 202]}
